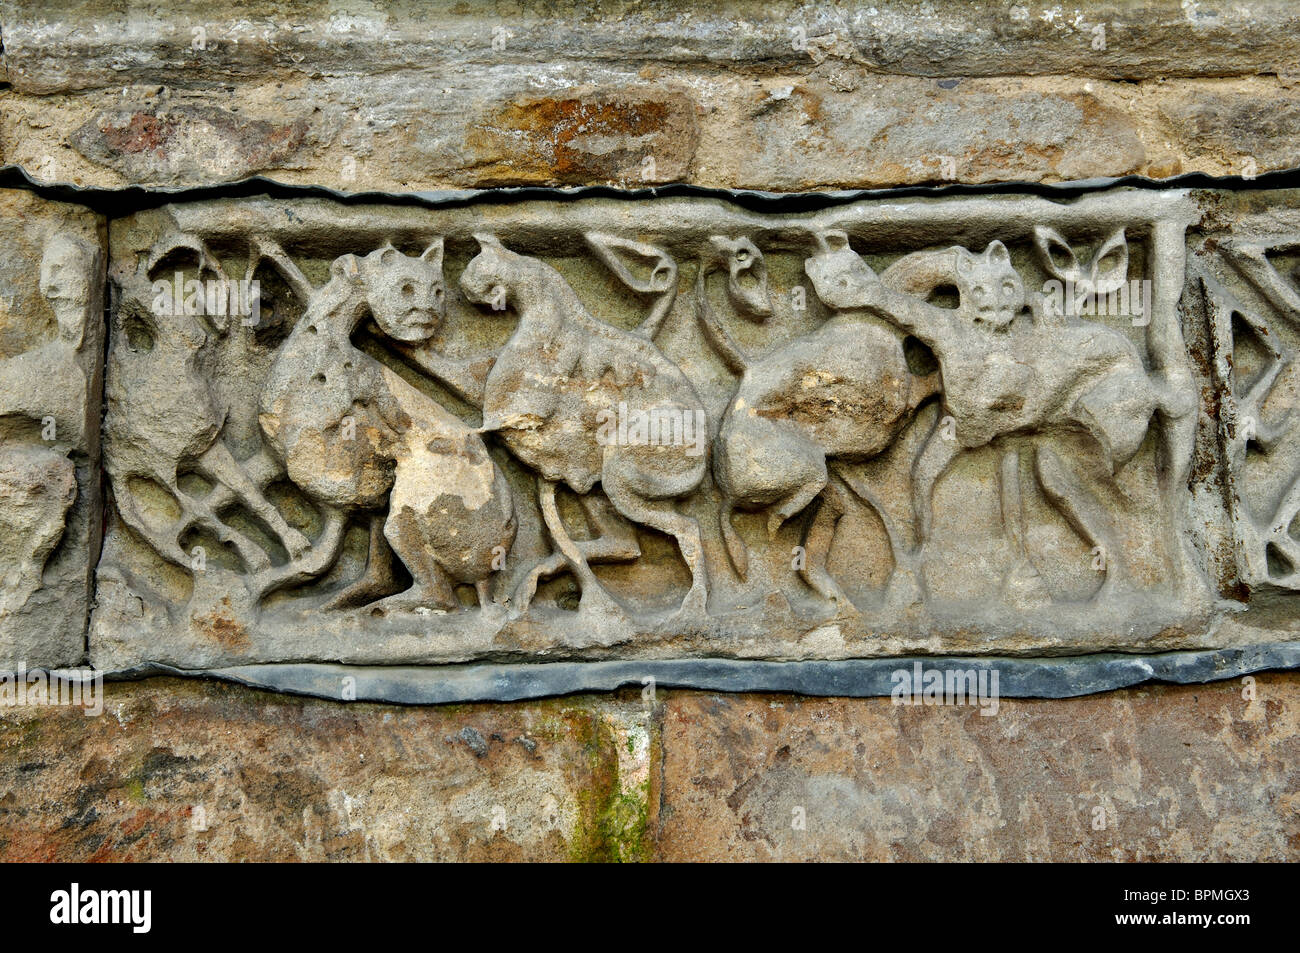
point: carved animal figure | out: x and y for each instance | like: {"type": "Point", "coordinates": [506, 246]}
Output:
{"type": "Point", "coordinates": [174, 422]}
{"type": "Point", "coordinates": [559, 375]}
{"type": "Point", "coordinates": [1006, 372]}
{"type": "Point", "coordinates": [350, 430]}
{"type": "Point", "coordinates": [841, 393]}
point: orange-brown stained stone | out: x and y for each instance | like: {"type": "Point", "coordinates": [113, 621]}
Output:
{"type": "Point", "coordinates": [1182, 773]}
{"type": "Point", "coordinates": [192, 770]}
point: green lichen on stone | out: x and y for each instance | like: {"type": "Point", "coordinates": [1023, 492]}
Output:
{"type": "Point", "coordinates": [613, 811]}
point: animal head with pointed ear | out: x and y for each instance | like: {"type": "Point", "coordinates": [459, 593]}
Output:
{"type": "Point", "coordinates": [407, 295]}
{"type": "Point", "coordinates": [838, 273]}
{"type": "Point", "coordinates": [487, 278]}
{"type": "Point", "coordinates": [747, 274]}
{"type": "Point", "coordinates": [989, 288]}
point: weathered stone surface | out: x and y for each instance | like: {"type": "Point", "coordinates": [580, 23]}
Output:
{"type": "Point", "coordinates": [1238, 127]}
{"type": "Point", "coordinates": [198, 771]}
{"type": "Point", "coordinates": [1179, 774]}
{"type": "Point", "coordinates": [51, 360]}
{"type": "Point", "coordinates": [46, 50]}
{"type": "Point", "coordinates": [833, 127]}
{"type": "Point", "coordinates": [416, 97]}
{"type": "Point", "coordinates": [202, 771]}
{"type": "Point", "coordinates": [182, 145]}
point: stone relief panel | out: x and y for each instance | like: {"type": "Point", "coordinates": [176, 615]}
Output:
{"type": "Point", "coordinates": [670, 428]}
{"type": "Point", "coordinates": [1247, 277]}
{"type": "Point", "coordinates": [51, 360]}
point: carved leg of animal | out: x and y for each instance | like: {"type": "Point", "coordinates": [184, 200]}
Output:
{"type": "Point", "coordinates": [199, 513]}
{"type": "Point", "coordinates": [817, 546]}
{"type": "Point", "coordinates": [904, 588]}
{"type": "Point", "coordinates": [315, 563]}
{"type": "Point", "coordinates": [663, 516]}
{"type": "Point", "coordinates": [431, 584]}
{"type": "Point", "coordinates": [1084, 515]}
{"type": "Point", "coordinates": [594, 596]}
{"type": "Point", "coordinates": [219, 464]}
{"type": "Point", "coordinates": [934, 459]}
{"type": "Point", "coordinates": [377, 580]}
{"type": "Point", "coordinates": [1022, 585]}
{"type": "Point", "coordinates": [800, 497]}
{"type": "Point", "coordinates": [737, 552]}
{"type": "Point", "coordinates": [164, 544]}
{"type": "Point", "coordinates": [615, 541]}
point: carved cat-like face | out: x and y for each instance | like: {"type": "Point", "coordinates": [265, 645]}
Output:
{"type": "Point", "coordinates": [407, 296]}
{"type": "Point", "coordinates": [485, 278]}
{"type": "Point", "coordinates": [990, 290]}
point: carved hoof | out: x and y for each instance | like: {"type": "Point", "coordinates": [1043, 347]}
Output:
{"type": "Point", "coordinates": [904, 590]}
{"type": "Point", "coordinates": [360, 593]}
{"type": "Point", "coordinates": [412, 600]}
{"type": "Point", "coordinates": [596, 601]}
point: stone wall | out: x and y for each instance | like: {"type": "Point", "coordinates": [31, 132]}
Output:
{"type": "Point", "coordinates": [774, 97]}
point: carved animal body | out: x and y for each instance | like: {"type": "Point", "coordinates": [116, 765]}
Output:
{"type": "Point", "coordinates": [1005, 372]}
{"type": "Point", "coordinates": [350, 430]}
{"type": "Point", "coordinates": [562, 369]}
{"type": "Point", "coordinates": [843, 392]}
{"type": "Point", "coordinates": [1002, 375]}
{"type": "Point", "coordinates": [159, 392]}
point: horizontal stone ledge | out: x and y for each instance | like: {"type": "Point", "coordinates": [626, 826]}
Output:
{"type": "Point", "coordinates": [411, 130]}
{"type": "Point", "coordinates": [607, 124]}
{"type": "Point", "coordinates": [65, 46]}
{"type": "Point", "coordinates": [1065, 677]}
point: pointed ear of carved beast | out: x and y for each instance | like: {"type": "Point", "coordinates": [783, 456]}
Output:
{"type": "Point", "coordinates": [488, 241]}
{"type": "Point", "coordinates": [997, 253]}
{"type": "Point", "coordinates": [433, 254]}
{"type": "Point", "coordinates": [963, 261]}
{"type": "Point", "coordinates": [1109, 269]}
{"type": "Point", "coordinates": [345, 266]}
{"type": "Point", "coordinates": [1057, 256]}
{"type": "Point", "coordinates": [831, 240]}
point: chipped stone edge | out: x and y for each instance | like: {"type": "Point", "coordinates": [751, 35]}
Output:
{"type": "Point", "coordinates": [1063, 677]}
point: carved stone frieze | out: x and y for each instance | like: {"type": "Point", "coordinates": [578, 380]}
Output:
{"type": "Point", "coordinates": [678, 428]}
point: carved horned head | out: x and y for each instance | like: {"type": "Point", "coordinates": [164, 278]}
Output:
{"type": "Point", "coordinates": [407, 296]}
{"type": "Point", "coordinates": [837, 272]}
